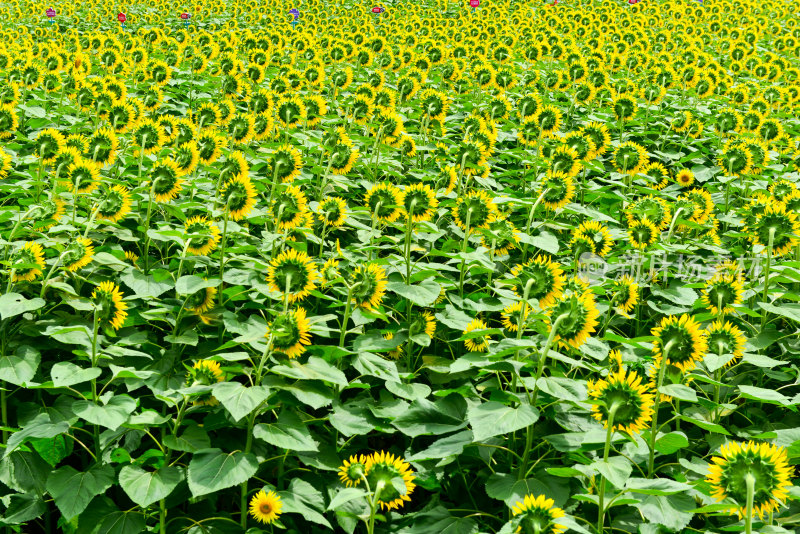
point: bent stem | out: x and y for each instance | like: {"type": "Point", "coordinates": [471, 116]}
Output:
{"type": "Point", "coordinates": [662, 371]}
{"type": "Point", "coordinates": [601, 493]}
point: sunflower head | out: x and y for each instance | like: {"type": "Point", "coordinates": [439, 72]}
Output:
{"type": "Point", "coordinates": [539, 514]}
{"type": "Point", "coordinates": [626, 294]}
{"type": "Point", "coordinates": [725, 338]}
{"type": "Point", "coordinates": [539, 278]}
{"type": "Point", "coordinates": [239, 197]}
{"type": "Point", "coordinates": [352, 471]}
{"type": "Point", "coordinates": [574, 316]}
{"type": "Point", "coordinates": [110, 309]}
{"type": "Point", "coordinates": [78, 254]}
{"type": "Point", "coordinates": [776, 227]}
{"type": "Point", "coordinates": [623, 394]}
{"type": "Point", "coordinates": [642, 233]}
{"type": "Point", "coordinates": [266, 507]}
{"type": "Point", "coordinates": [382, 468]}
{"type": "Point", "coordinates": [292, 274]}
{"type": "Point", "coordinates": [385, 202]}
{"type": "Point", "coordinates": [721, 293]}
{"type": "Point", "coordinates": [28, 262]}
{"type": "Point", "coordinates": [368, 285]}
{"type": "Point", "coordinates": [289, 332]}
{"type": "Point", "coordinates": [764, 467]}
{"type": "Point", "coordinates": [679, 340]}
{"type": "Point", "coordinates": [557, 190]}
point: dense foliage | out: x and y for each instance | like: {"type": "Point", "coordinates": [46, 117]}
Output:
{"type": "Point", "coordinates": [529, 267]}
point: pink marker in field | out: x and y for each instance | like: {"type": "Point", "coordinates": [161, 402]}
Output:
{"type": "Point", "coordinates": [51, 13]}
{"type": "Point", "coordinates": [185, 17]}
{"type": "Point", "coordinates": [122, 18]}
{"type": "Point", "coordinates": [473, 4]}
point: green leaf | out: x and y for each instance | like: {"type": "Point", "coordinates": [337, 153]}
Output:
{"type": "Point", "coordinates": [238, 399]}
{"type": "Point", "coordinates": [111, 415]}
{"type": "Point", "coordinates": [144, 286]}
{"type": "Point", "coordinates": [146, 487]}
{"type": "Point", "coordinates": [707, 425]}
{"type": "Point", "coordinates": [423, 294]}
{"type": "Point", "coordinates": [616, 470]}
{"type": "Point", "coordinates": [132, 522]}
{"type": "Point", "coordinates": [425, 417]}
{"type": "Point", "coordinates": [25, 472]}
{"type": "Point", "coordinates": [545, 241]}
{"type": "Point", "coordinates": [656, 486]}
{"type": "Point", "coordinates": [304, 499]}
{"type": "Point", "coordinates": [212, 470]}
{"type": "Point", "coordinates": [788, 310]}
{"type": "Point", "coordinates": [346, 495]}
{"type": "Point", "coordinates": [288, 433]}
{"type": "Point", "coordinates": [23, 507]}
{"type": "Point", "coordinates": [193, 439]}
{"type": "Point", "coordinates": [764, 395]}
{"type": "Point", "coordinates": [564, 388]}
{"type": "Point", "coordinates": [671, 443]}
{"type": "Point", "coordinates": [39, 427]}
{"type": "Point", "coordinates": [190, 284]}
{"type": "Point", "coordinates": [20, 367]}
{"type": "Point", "coordinates": [494, 418]}
{"type": "Point", "coordinates": [440, 521]}
{"type": "Point", "coordinates": [13, 304]}
{"type": "Point", "coordinates": [73, 490]}
{"type": "Point", "coordinates": [68, 374]}
{"type": "Point", "coordinates": [352, 418]}
{"type": "Point", "coordinates": [452, 445]}
{"type": "Point", "coordinates": [315, 368]}
{"type": "Point", "coordinates": [680, 392]}
{"type": "Point", "coordinates": [672, 511]}
{"type": "Point", "coordinates": [371, 364]}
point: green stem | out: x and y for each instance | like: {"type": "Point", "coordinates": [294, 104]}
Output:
{"type": "Point", "coordinates": [750, 481]}
{"type": "Point", "coordinates": [220, 292]}
{"type": "Point", "coordinates": [765, 295]}
{"type": "Point", "coordinates": [601, 494]}
{"type": "Point", "coordinates": [464, 245]}
{"type": "Point", "coordinates": [347, 309]}
{"type": "Point", "coordinates": [672, 224]}
{"type": "Point", "coordinates": [96, 430]}
{"type": "Point", "coordinates": [662, 371]}
{"type": "Point", "coordinates": [248, 444]}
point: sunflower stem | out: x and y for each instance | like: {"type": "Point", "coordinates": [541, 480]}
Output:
{"type": "Point", "coordinates": [347, 310]}
{"type": "Point", "coordinates": [146, 227]}
{"type": "Point", "coordinates": [672, 225]}
{"type": "Point", "coordinates": [601, 493]}
{"type": "Point", "coordinates": [530, 221]}
{"type": "Point", "coordinates": [95, 429]}
{"type": "Point", "coordinates": [248, 444]}
{"type": "Point", "coordinates": [463, 254]}
{"type": "Point", "coordinates": [662, 371]}
{"type": "Point", "coordinates": [222, 256]}
{"type": "Point", "coordinates": [750, 481]}
{"type": "Point", "coordinates": [765, 295]}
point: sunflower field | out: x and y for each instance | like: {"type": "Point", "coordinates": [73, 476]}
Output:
{"type": "Point", "coordinates": [441, 267]}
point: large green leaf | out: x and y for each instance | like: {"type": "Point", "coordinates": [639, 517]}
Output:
{"type": "Point", "coordinates": [146, 487]}
{"type": "Point", "coordinates": [68, 374]}
{"type": "Point", "coordinates": [672, 511]}
{"type": "Point", "coordinates": [288, 433]}
{"type": "Point", "coordinates": [13, 304]}
{"type": "Point", "coordinates": [19, 367]}
{"type": "Point", "coordinates": [422, 294]}
{"type": "Point", "coordinates": [148, 286]}
{"type": "Point", "coordinates": [212, 470]}
{"type": "Point", "coordinates": [73, 490]}
{"type": "Point", "coordinates": [304, 499]}
{"type": "Point", "coordinates": [40, 427]}
{"type": "Point", "coordinates": [23, 507]}
{"type": "Point", "coordinates": [425, 417]}
{"type": "Point", "coordinates": [110, 415]}
{"type": "Point", "coordinates": [240, 400]}
{"type": "Point", "coordinates": [494, 418]}
{"type": "Point", "coordinates": [130, 522]}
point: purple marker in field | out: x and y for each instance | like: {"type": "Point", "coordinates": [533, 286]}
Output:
{"type": "Point", "coordinates": [51, 13]}
{"type": "Point", "coordinates": [296, 14]}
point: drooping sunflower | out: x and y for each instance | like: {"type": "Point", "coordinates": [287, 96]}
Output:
{"type": "Point", "coordinates": [109, 307]}
{"type": "Point", "coordinates": [625, 294]}
{"type": "Point", "coordinates": [557, 190]}
{"type": "Point", "coordinates": [290, 111]}
{"type": "Point", "coordinates": [543, 279]}
{"type": "Point", "coordinates": [539, 515]}
{"type": "Point", "coordinates": [422, 323]}
{"type": "Point", "coordinates": [266, 507]}
{"type": "Point", "coordinates": [50, 213]}
{"type": "Point", "coordinates": [203, 235]}
{"type": "Point", "coordinates": [549, 119]}
{"type": "Point", "coordinates": [166, 181]}
{"type": "Point", "coordinates": [115, 205]}
{"type": "Point", "coordinates": [721, 293]}
{"type": "Point", "coordinates": [599, 235]}
{"type": "Point", "coordinates": [204, 373]}
{"type": "Point", "coordinates": [510, 317]}
{"type": "Point", "coordinates": [28, 262]}
{"type": "Point", "coordinates": [681, 338]}
{"type": "Point", "coordinates": [286, 163]}
{"type": "Point", "coordinates": [624, 393]}
{"type": "Point", "coordinates": [201, 300]}
{"type": "Point", "coordinates": [419, 201]}
{"type": "Point", "coordinates": [382, 470]}
{"type": "Point", "coordinates": [629, 158]}
{"type": "Point", "coordinates": [475, 208]}
{"type": "Point", "coordinates": [289, 208]}
{"type": "Point", "coordinates": [385, 201]}
{"type": "Point", "coordinates": [239, 197]}
{"type": "Point", "coordinates": [782, 225]}
{"type": "Point", "coordinates": [764, 466]}
{"type": "Point", "coordinates": [290, 332]}
{"type": "Point", "coordinates": [49, 143]}
{"type": "Point", "coordinates": [352, 471]}
{"type": "Point", "coordinates": [78, 254]}
{"type": "Point", "coordinates": [500, 235]}
{"type": "Point", "coordinates": [574, 316]}
{"type": "Point", "coordinates": [369, 285]}
{"type": "Point", "coordinates": [725, 338]}
{"type": "Point", "coordinates": [293, 275]}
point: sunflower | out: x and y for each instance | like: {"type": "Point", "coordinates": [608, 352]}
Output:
{"type": "Point", "coordinates": [293, 275]}
{"type": "Point", "coordinates": [201, 301]}
{"type": "Point", "coordinates": [166, 181]}
{"type": "Point", "coordinates": [239, 197]}
{"type": "Point", "coordinates": [5, 164]}
{"type": "Point", "coordinates": [685, 177]}
{"type": "Point", "coordinates": [102, 146]}
{"type": "Point", "coordinates": [419, 201]}
{"type": "Point", "coordinates": [500, 235]}
{"type": "Point", "coordinates": [235, 166]}
{"type": "Point", "coordinates": [49, 143]}
{"type": "Point", "coordinates": [763, 466]}
{"type": "Point", "coordinates": [28, 262]}
{"type": "Point", "coordinates": [202, 235]}
{"type": "Point", "coordinates": [623, 393]}
{"type": "Point", "coordinates": [725, 338]}
{"type": "Point", "coordinates": [574, 316]}
{"type": "Point", "coordinates": [625, 294]}
{"type": "Point", "coordinates": [543, 279]}
{"type": "Point", "coordinates": [241, 128]}
{"type": "Point", "coordinates": [289, 208]}
{"type": "Point", "coordinates": [735, 159]}
{"type": "Point", "coordinates": [549, 119]}
{"type": "Point", "coordinates": [290, 332]}
{"type": "Point", "coordinates": [83, 175]}
{"type": "Point", "coordinates": [422, 323]}
{"type": "Point", "coordinates": [342, 158]}
{"type": "Point", "coordinates": [352, 471]}
{"type": "Point", "coordinates": [382, 471]}
{"type": "Point", "coordinates": [510, 317]}
{"type": "Point", "coordinates": [682, 339]}
{"type": "Point", "coordinates": [290, 111]}
{"type": "Point", "coordinates": [629, 158]}
{"type": "Point", "coordinates": [557, 190]}
{"type": "Point", "coordinates": [109, 307]}
{"type": "Point", "coordinates": [332, 212]}
{"type": "Point", "coordinates": [115, 205]}
{"type": "Point", "coordinates": [78, 254]}
{"type": "Point", "coordinates": [539, 514]}
{"type": "Point", "coordinates": [658, 173]}
{"type": "Point", "coordinates": [50, 212]}
{"type": "Point", "coordinates": [624, 107]}
{"type": "Point", "coordinates": [475, 209]}
{"type": "Point", "coordinates": [778, 226]}
{"type": "Point", "coordinates": [598, 234]}
{"type": "Point", "coordinates": [9, 121]}
{"type": "Point", "coordinates": [209, 145]}
{"type": "Point", "coordinates": [148, 136]}
{"type": "Point", "coordinates": [598, 133]}
{"type": "Point", "coordinates": [566, 160]}
{"type": "Point", "coordinates": [721, 293]}
{"type": "Point", "coordinates": [187, 157]}
{"type": "Point", "coordinates": [368, 285]}
{"type": "Point", "coordinates": [385, 201]}
{"type": "Point", "coordinates": [286, 163]}
{"type": "Point", "coordinates": [266, 507]}
{"type": "Point", "coordinates": [204, 373]}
